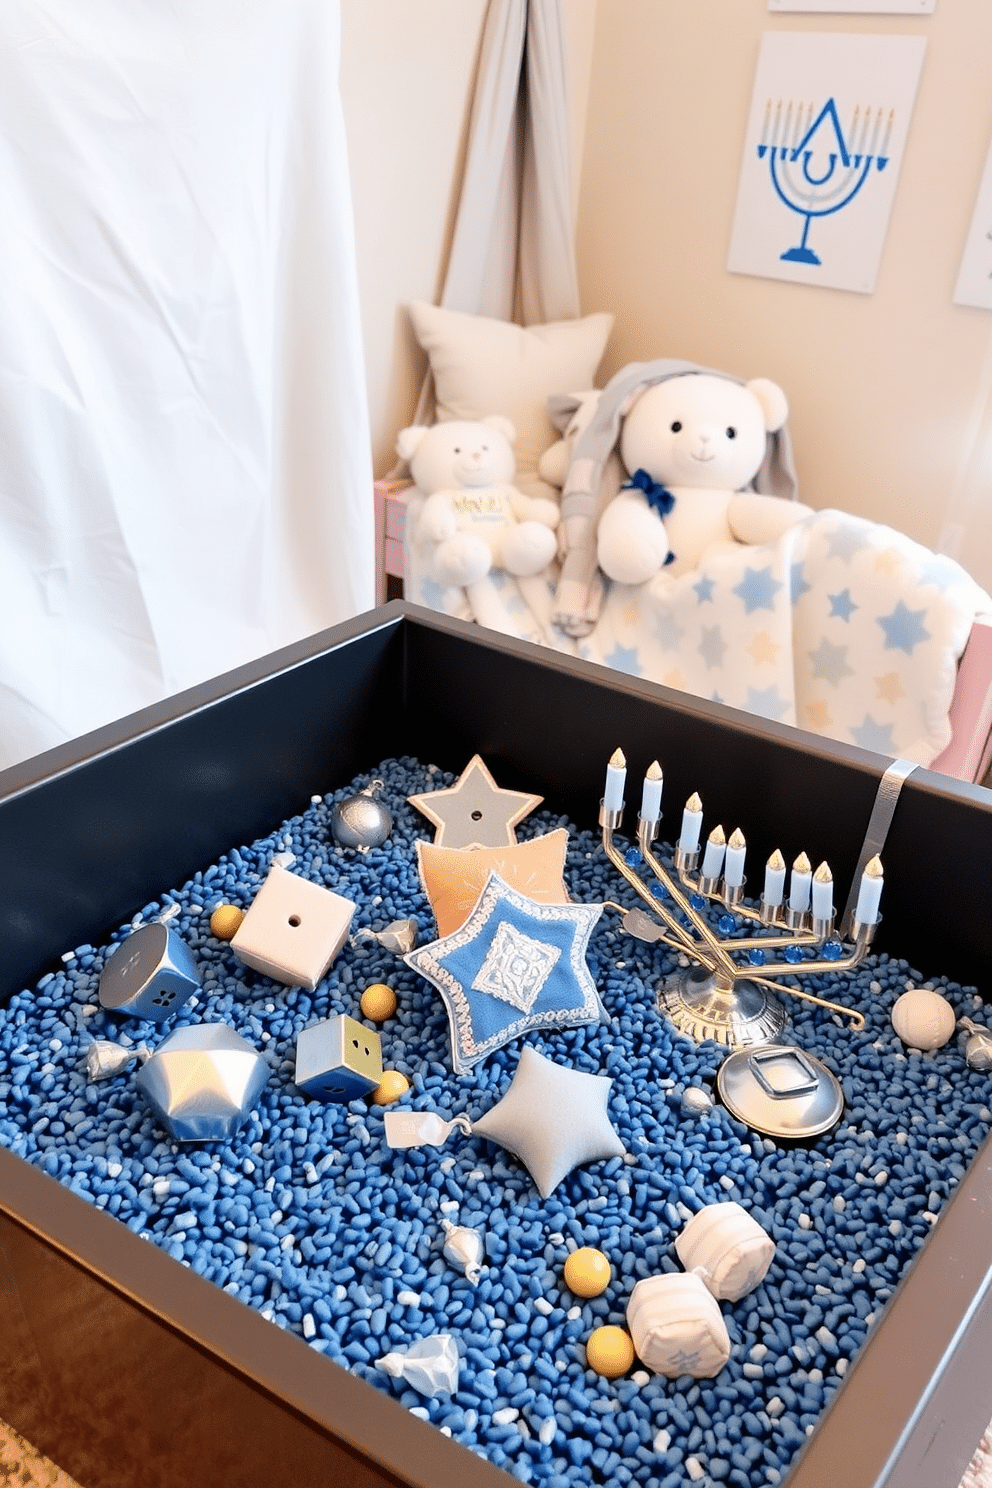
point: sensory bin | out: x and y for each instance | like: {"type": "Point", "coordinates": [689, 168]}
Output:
{"type": "Point", "coordinates": [311, 1219]}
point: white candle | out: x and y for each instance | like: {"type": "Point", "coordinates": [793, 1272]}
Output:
{"type": "Point", "coordinates": [870, 892]}
{"type": "Point", "coordinates": [733, 868]}
{"type": "Point", "coordinates": [802, 876]}
{"type": "Point", "coordinates": [823, 893]}
{"type": "Point", "coordinates": [616, 775]}
{"type": "Point", "coordinates": [774, 880]}
{"type": "Point", "coordinates": [692, 822]}
{"type": "Point", "coordinates": [716, 846]}
{"type": "Point", "coordinates": [651, 795]}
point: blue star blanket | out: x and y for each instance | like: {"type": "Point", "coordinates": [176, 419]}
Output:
{"type": "Point", "coordinates": [843, 627]}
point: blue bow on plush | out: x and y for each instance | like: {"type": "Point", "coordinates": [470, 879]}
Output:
{"type": "Point", "coordinates": [659, 497]}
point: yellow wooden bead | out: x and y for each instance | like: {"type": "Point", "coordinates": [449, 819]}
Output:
{"type": "Point", "coordinates": [390, 1088]}
{"type": "Point", "coordinates": [225, 920]}
{"type": "Point", "coordinates": [609, 1351]}
{"type": "Point", "coordinates": [587, 1272]}
{"type": "Point", "coordinates": [378, 1002]}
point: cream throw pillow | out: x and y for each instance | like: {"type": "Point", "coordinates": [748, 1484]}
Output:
{"type": "Point", "coordinates": [484, 366]}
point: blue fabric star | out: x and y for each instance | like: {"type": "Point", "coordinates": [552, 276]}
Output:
{"type": "Point", "coordinates": [624, 659]}
{"type": "Point", "coordinates": [842, 606]}
{"type": "Point", "coordinates": [766, 702]}
{"type": "Point", "coordinates": [712, 646]}
{"type": "Point", "coordinates": [874, 736]}
{"type": "Point", "coordinates": [704, 588]}
{"type": "Point", "coordinates": [757, 589]}
{"type": "Point", "coordinates": [830, 662]}
{"type": "Point", "coordinates": [513, 966]}
{"type": "Point", "coordinates": [797, 581]}
{"type": "Point", "coordinates": [847, 539]}
{"type": "Point", "coordinates": [904, 629]}
{"type": "Point", "coordinates": [941, 571]}
{"type": "Point", "coordinates": [669, 634]}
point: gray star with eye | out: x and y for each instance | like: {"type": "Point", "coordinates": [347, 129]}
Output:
{"type": "Point", "coordinates": [475, 811]}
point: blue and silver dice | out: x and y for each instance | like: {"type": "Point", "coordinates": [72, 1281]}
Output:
{"type": "Point", "coordinates": [152, 974]}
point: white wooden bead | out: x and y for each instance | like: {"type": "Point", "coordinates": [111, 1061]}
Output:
{"type": "Point", "coordinates": [293, 930]}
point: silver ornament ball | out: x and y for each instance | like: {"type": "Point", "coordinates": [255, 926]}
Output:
{"type": "Point", "coordinates": [362, 821]}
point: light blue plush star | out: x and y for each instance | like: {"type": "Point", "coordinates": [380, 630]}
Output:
{"type": "Point", "coordinates": [941, 571]}
{"type": "Point", "coordinates": [624, 659]}
{"type": "Point", "coordinates": [766, 702]}
{"type": "Point", "coordinates": [712, 646]}
{"type": "Point", "coordinates": [846, 539]}
{"type": "Point", "coordinates": [904, 629]}
{"type": "Point", "coordinates": [797, 582]}
{"type": "Point", "coordinates": [842, 606]}
{"type": "Point", "coordinates": [513, 966]}
{"type": "Point", "coordinates": [830, 662]}
{"type": "Point", "coordinates": [553, 1118]}
{"type": "Point", "coordinates": [669, 634]}
{"type": "Point", "coordinates": [704, 588]}
{"type": "Point", "coordinates": [874, 736]}
{"type": "Point", "coordinates": [757, 589]}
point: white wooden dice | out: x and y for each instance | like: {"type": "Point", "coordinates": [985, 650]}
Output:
{"type": "Point", "coordinates": [677, 1327]}
{"type": "Point", "coordinates": [728, 1248]}
{"type": "Point", "coordinates": [293, 930]}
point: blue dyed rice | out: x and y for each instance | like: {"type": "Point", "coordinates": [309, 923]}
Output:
{"type": "Point", "coordinates": [309, 1217]}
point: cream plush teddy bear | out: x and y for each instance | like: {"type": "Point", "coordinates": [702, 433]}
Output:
{"type": "Point", "coordinates": [691, 445]}
{"type": "Point", "coordinates": [473, 519]}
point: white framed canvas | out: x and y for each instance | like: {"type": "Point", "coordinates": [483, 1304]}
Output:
{"type": "Point", "coordinates": [974, 286]}
{"type": "Point", "coordinates": [829, 120]}
{"type": "Point", "coordinates": [855, 7]}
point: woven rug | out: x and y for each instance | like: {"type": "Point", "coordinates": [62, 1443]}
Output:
{"type": "Point", "coordinates": [21, 1466]}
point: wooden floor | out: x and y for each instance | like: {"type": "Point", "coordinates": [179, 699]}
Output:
{"type": "Point", "coordinates": [23, 1467]}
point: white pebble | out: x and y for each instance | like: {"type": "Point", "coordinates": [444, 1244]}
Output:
{"type": "Point", "coordinates": [727, 1182]}
{"type": "Point", "coordinates": [421, 1412]}
{"type": "Point", "coordinates": [840, 1203]}
{"type": "Point", "coordinates": [309, 1326]}
{"type": "Point", "coordinates": [573, 1313]}
{"type": "Point", "coordinates": [445, 1430]}
{"type": "Point", "coordinates": [881, 1178]}
{"type": "Point", "coordinates": [895, 1227]}
{"type": "Point", "coordinates": [753, 1371]}
{"type": "Point", "coordinates": [641, 1377]}
{"type": "Point", "coordinates": [695, 1468]}
{"type": "Point", "coordinates": [160, 1187]}
{"type": "Point", "coordinates": [446, 1166]}
{"type": "Point", "coordinates": [557, 1238]}
{"type": "Point", "coordinates": [542, 1305]}
{"type": "Point", "coordinates": [475, 1175]}
{"type": "Point", "coordinates": [505, 1416]}
{"type": "Point", "coordinates": [841, 1366]}
{"type": "Point", "coordinates": [449, 1206]}
{"type": "Point", "coordinates": [283, 859]}
{"type": "Point", "coordinates": [901, 1138]}
{"type": "Point", "coordinates": [929, 1216]}
{"type": "Point", "coordinates": [759, 1352]}
{"type": "Point", "coordinates": [406, 1299]}
{"type": "Point", "coordinates": [805, 1222]}
{"type": "Point", "coordinates": [662, 1441]}
{"type": "Point", "coordinates": [859, 1265]}
{"type": "Point", "coordinates": [775, 1406]}
{"type": "Point", "coordinates": [114, 1170]}
{"type": "Point", "coordinates": [548, 1431]}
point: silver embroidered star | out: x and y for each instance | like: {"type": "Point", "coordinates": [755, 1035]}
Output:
{"type": "Point", "coordinates": [516, 967]}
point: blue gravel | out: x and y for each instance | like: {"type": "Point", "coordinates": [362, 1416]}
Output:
{"type": "Point", "coordinates": [309, 1218]}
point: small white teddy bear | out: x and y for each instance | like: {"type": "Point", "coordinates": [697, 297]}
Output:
{"type": "Point", "coordinates": [691, 445]}
{"type": "Point", "coordinates": [473, 518]}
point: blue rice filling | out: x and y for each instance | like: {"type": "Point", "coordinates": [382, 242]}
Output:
{"type": "Point", "coordinates": [311, 1219]}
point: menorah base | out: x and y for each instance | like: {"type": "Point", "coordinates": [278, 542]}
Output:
{"type": "Point", "coordinates": [744, 1014]}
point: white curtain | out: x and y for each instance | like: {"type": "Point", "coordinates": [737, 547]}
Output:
{"type": "Point", "coordinates": [185, 478]}
{"type": "Point", "coordinates": [512, 254]}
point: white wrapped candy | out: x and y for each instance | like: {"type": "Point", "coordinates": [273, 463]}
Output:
{"type": "Point", "coordinates": [727, 1248]}
{"type": "Point", "coordinates": [677, 1327]}
{"type": "Point", "coordinates": [105, 1059]}
{"type": "Point", "coordinates": [429, 1366]}
{"type": "Point", "coordinates": [463, 1248]}
{"type": "Point", "coordinates": [923, 1019]}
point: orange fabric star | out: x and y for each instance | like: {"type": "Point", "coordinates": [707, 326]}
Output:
{"type": "Point", "coordinates": [888, 560]}
{"type": "Point", "coordinates": [763, 648]}
{"type": "Point", "coordinates": [818, 714]}
{"type": "Point", "coordinates": [453, 878]}
{"type": "Point", "coordinates": [890, 687]}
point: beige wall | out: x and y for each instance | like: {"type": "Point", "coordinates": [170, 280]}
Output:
{"type": "Point", "coordinates": [890, 393]}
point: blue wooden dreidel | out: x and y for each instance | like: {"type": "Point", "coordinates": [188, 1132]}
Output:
{"type": "Point", "coordinates": [338, 1060]}
{"type": "Point", "coordinates": [152, 974]}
